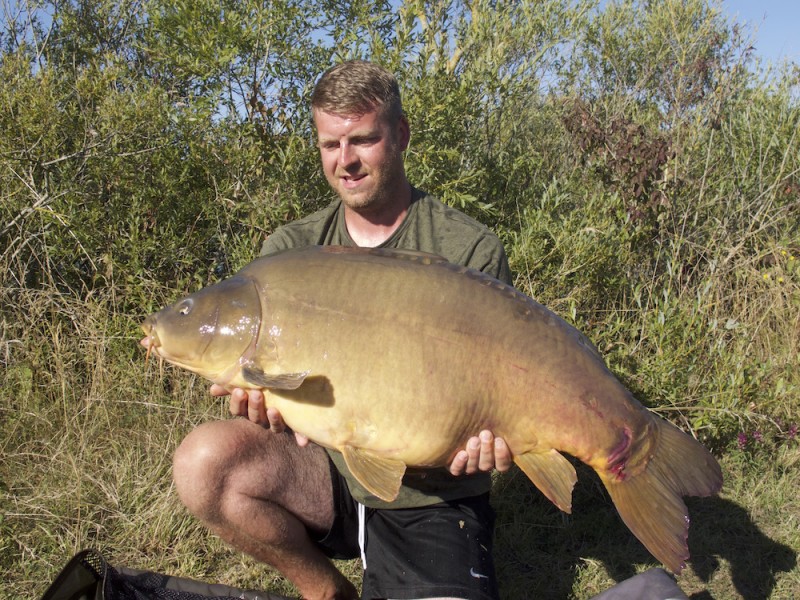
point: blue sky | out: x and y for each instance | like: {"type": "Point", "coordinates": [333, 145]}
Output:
{"type": "Point", "coordinates": [777, 23]}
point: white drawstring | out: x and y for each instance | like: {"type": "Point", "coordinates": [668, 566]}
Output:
{"type": "Point", "coordinates": [362, 533]}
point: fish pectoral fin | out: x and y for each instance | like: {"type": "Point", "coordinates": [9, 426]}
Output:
{"type": "Point", "coordinates": [553, 474]}
{"type": "Point", "coordinates": [281, 381]}
{"type": "Point", "coordinates": [380, 476]}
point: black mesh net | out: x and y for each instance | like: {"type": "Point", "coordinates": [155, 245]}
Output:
{"type": "Point", "coordinates": [89, 577]}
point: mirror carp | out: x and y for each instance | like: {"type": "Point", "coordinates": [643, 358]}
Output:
{"type": "Point", "coordinates": [395, 358]}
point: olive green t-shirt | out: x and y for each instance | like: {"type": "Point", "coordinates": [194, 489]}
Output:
{"type": "Point", "coordinates": [430, 226]}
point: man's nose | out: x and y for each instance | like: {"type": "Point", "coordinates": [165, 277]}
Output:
{"type": "Point", "coordinates": [347, 156]}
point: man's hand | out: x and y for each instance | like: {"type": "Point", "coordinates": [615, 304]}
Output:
{"type": "Point", "coordinates": [483, 453]}
{"type": "Point", "coordinates": [252, 404]}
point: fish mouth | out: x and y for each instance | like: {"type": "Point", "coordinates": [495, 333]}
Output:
{"type": "Point", "coordinates": [150, 340]}
{"type": "Point", "coordinates": [153, 346]}
{"type": "Point", "coordinates": [152, 343]}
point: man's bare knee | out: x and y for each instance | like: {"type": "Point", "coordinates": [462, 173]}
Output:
{"type": "Point", "coordinates": [220, 462]}
{"type": "Point", "coordinates": [198, 469]}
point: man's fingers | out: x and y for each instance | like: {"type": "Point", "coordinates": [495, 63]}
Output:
{"type": "Point", "coordinates": [218, 390]}
{"type": "Point", "coordinates": [502, 455]}
{"type": "Point", "coordinates": [275, 420]}
{"type": "Point", "coordinates": [459, 463]}
{"type": "Point", "coordinates": [486, 458]}
{"type": "Point", "coordinates": [256, 409]}
{"type": "Point", "coordinates": [239, 403]}
{"type": "Point", "coordinates": [473, 455]}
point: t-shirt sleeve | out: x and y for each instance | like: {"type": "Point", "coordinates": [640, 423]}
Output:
{"type": "Point", "coordinates": [488, 255]}
{"type": "Point", "coordinates": [276, 242]}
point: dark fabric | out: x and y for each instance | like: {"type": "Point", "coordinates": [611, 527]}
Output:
{"type": "Point", "coordinates": [439, 550]}
{"type": "Point", "coordinates": [89, 577]}
{"type": "Point", "coordinates": [341, 541]}
{"type": "Point", "coordinates": [80, 579]}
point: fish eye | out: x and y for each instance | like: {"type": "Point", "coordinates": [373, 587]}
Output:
{"type": "Point", "coordinates": [185, 307]}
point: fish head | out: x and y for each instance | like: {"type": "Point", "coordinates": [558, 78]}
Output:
{"type": "Point", "coordinates": [212, 332]}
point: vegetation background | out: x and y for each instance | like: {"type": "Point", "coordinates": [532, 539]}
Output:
{"type": "Point", "coordinates": [640, 164]}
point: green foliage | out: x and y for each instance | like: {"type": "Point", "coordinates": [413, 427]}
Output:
{"type": "Point", "coordinates": [471, 71]}
{"type": "Point", "coordinates": [644, 178]}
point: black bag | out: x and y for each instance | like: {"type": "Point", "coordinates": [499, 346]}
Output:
{"type": "Point", "coordinates": [89, 577]}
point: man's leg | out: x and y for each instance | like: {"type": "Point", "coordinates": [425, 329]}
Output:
{"type": "Point", "coordinates": [262, 493]}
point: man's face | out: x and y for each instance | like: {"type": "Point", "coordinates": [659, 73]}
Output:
{"type": "Point", "coordinates": [362, 157]}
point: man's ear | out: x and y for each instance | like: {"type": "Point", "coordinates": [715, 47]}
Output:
{"type": "Point", "coordinates": [403, 133]}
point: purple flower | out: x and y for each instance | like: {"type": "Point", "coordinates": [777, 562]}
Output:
{"type": "Point", "coordinates": [792, 433]}
{"type": "Point", "coordinates": [758, 437]}
{"type": "Point", "coordinates": [742, 439]}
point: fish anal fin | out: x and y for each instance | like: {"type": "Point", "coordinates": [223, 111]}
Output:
{"type": "Point", "coordinates": [379, 475]}
{"type": "Point", "coordinates": [553, 474]}
{"type": "Point", "coordinates": [280, 381]}
{"type": "Point", "coordinates": [651, 501]}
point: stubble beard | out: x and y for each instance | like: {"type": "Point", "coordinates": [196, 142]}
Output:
{"type": "Point", "coordinates": [376, 200]}
{"type": "Point", "coordinates": [372, 202]}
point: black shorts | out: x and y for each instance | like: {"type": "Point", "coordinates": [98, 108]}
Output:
{"type": "Point", "coordinates": [439, 550]}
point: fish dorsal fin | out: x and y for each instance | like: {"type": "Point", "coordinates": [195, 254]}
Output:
{"type": "Point", "coordinates": [380, 476]}
{"type": "Point", "coordinates": [281, 381]}
{"type": "Point", "coordinates": [553, 474]}
{"type": "Point", "coordinates": [425, 258]}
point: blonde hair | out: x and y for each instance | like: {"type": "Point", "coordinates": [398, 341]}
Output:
{"type": "Point", "coordinates": [357, 87]}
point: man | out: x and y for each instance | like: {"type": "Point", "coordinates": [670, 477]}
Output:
{"type": "Point", "coordinates": [292, 504]}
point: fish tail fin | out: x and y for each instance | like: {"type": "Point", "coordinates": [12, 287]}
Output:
{"type": "Point", "coordinates": [650, 502]}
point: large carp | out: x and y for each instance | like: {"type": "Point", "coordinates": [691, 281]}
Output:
{"type": "Point", "coordinates": [396, 358]}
